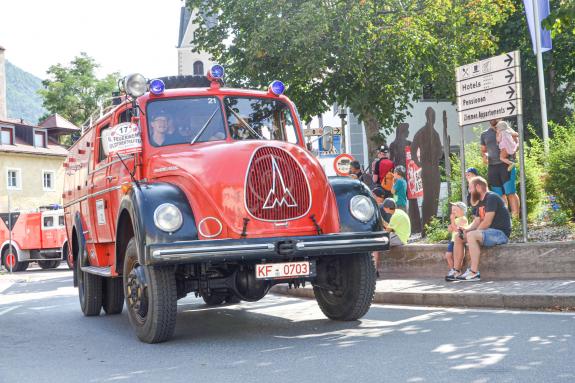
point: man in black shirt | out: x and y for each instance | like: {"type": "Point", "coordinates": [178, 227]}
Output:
{"type": "Point", "coordinates": [491, 227]}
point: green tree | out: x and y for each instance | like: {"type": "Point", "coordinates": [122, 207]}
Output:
{"type": "Point", "coordinates": [74, 91]}
{"type": "Point", "coordinates": [562, 18]}
{"type": "Point", "coordinates": [559, 64]}
{"type": "Point", "coordinates": [372, 55]}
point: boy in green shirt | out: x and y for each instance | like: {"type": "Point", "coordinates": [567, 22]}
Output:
{"type": "Point", "coordinates": [399, 225]}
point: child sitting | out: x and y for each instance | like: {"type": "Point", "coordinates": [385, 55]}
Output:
{"type": "Point", "coordinates": [507, 141]}
{"type": "Point", "coordinates": [457, 220]}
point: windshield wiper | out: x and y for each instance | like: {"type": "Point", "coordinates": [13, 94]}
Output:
{"type": "Point", "coordinates": [244, 123]}
{"type": "Point", "coordinates": [204, 127]}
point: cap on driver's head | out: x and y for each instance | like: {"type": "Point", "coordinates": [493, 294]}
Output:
{"type": "Point", "coordinates": [159, 114]}
{"type": "Point", "coordinates": [389, 203]}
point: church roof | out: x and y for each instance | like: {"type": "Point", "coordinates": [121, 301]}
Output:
{"type": "Point", "coordinates": [185, 16]}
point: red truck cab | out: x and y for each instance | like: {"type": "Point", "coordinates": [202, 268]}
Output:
{"type": "Point", "coordinates": [33, 236]}
{"type": "Point", "coordinates": [191, 187]}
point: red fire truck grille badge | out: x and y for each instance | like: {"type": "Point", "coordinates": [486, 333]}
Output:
{"type": "Point", "coordinates": [276, 187]}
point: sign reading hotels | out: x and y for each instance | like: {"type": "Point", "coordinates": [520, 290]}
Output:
{"type": "Point", "coordinates": [489, 89]}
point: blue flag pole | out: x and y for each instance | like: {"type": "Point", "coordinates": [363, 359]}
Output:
{"type": "Point", "coordinates": [538, 51]}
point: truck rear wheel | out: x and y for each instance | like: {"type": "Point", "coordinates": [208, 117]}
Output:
{"type": "Point", "coordinates": [151, 297]}
{"type": "Point", "coordinates": [49, 264]}
{"type": "Point", "coordinates": [89, 291]}
{"type": "Point", "coordinates": [350, 287]}
{"type": "Point", "coordinates": [10, 256]}
{"type": "Point", "coordinates": [113, 296]}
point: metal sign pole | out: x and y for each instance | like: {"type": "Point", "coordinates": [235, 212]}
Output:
{"type": "Point", "coordinates": [462, 158]}
{"type": "Point", "coordinates": [522, 177]}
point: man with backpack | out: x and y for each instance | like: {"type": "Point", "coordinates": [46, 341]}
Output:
{"type": "Point", "coordinates": [383, 171]}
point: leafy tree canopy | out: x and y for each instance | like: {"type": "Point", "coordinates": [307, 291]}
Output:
{"type": "Point", "coordinates": [372, 55]}
{"type": "Point", "coordinates": [74, 91]}
{"type": "Point", "coordinates": [562, 17]}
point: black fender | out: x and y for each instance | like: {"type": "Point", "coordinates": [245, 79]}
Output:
{"type": "Point", "coordinates": [345, 189]}
{"type": "Point", "coordinates": [140, 204]}
{"type": "Point", "coordinates": [82, 254]}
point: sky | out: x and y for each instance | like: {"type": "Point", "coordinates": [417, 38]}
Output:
{"type": "Point", "coordinates": [123, 36]}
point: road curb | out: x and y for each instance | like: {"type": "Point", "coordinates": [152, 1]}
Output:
{"type": "Point", "coordinates": [486, 300]}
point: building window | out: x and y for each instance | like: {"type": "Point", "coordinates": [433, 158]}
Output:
{"type": "Point", "coordinates": [198, 68]}
{"type": "Point", "coordinates": [7, 136]}
{"type": "Point", "coordinates": [14, 179]}
{"type": "Point", "coordinates": [48, 180]}
{"type": "Point", "coordinates": [39, 139]}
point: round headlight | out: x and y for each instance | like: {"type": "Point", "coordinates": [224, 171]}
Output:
{"type": "Point", "coordinates": [135, 84]}
{"type": "Point", "coordinates": [361, 208]}
{"type": "Point", "coordinates": [168, 217]}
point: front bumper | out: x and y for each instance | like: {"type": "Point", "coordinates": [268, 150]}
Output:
{"type": "Point", "coordinates": [276, 248]}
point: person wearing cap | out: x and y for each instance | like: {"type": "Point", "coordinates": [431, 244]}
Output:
{"type": "Point", "coordinates": [470, 173]}
{"type": "Point", "coordinates": [379, 196]}
{"type": "Point", "coordinates": [382, 168]}
{"type": "Point", "coordinates": [399, 189]}
{"type": "Point", "coordinates": [399, 225]}
{"type": "Point", "coordinates": [159, 131]}
{"type": "Point", "coordinates": [457, 220]}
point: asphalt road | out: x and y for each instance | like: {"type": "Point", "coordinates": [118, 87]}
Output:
{"type": "Point", "coordinates": [45, 338]}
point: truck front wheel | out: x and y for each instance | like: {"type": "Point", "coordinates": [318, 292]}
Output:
{"type": "Point", "coordinates": [346, 290]}
{"type": "Point", "coordinates": [151, 297]}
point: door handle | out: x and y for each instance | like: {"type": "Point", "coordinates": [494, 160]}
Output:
{"type": "Point", "coordinates": [111, 178]}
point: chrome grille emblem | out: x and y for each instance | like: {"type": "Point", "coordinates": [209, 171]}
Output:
{"type": "Point", "coordinates": [286, 197]}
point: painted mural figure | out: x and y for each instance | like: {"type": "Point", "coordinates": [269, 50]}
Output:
{"type": "Point", "coordinates": [427, 152]}
{"type": "Point", "coordinates": [397, 155]}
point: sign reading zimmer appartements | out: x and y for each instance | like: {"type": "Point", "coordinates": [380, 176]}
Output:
{"type": "Point", "coordinates": [489, 89]}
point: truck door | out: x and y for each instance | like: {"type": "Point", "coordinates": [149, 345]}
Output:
{"type": "Point", "coordinates": [99, 187]}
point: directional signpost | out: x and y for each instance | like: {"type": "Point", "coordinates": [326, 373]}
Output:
{"type": "Point", "coordinates": [491, 89]}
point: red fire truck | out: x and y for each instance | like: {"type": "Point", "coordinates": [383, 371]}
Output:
{"type": "Point", "coordinates": [190, 187]}
{"type": "Point", "coordinates": [37, 236]}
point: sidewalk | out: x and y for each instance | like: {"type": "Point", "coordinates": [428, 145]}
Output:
{"type": "Point", "coordinates": [524, 294]}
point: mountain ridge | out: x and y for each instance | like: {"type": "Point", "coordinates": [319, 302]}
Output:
{"type": "Point", "coordinates": [22, 98]}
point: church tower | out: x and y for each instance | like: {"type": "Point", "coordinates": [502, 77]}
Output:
{"type": "Point", "coordinates": [190, 62]}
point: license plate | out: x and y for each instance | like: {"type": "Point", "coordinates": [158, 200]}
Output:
{"type": "Point", "coordinates": [284, 270]}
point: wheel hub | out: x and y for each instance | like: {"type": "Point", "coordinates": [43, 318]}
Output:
{"type": "Point", "coordinates": [137, 292]}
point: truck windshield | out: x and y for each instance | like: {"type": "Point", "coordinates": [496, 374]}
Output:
{"type": "Point", "coordinates": [185, 120]}
{"type": "Point", "coordinates": [259, 119]}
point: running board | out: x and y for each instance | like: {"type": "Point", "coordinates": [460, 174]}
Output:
{"type": "Point", "coordinates": [101, 271]}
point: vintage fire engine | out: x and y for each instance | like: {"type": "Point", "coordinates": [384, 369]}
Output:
{"type": "Point", "coordinates": [38, 236]}
{"type": "Point", "coordinates": [188, 186]}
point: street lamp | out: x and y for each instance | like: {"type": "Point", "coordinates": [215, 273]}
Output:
{"type": "Point", "coordinates": [342, 115]}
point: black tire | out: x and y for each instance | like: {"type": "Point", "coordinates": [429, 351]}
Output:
{"type": "Point", "coordinates": [49, 264]}
{"type": "Point", "coordinates": [18, 266]}
{"type": "Point", "coordinates": [151, 298]}
{"type": "Point", "coordinates": [89, 291]}
{"type": "Point", "coordinates": [113, 296]}
{"type": "Point", "coordinates": [352, 299]}
{"type": "Point", "coordinates": [213, 300]}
